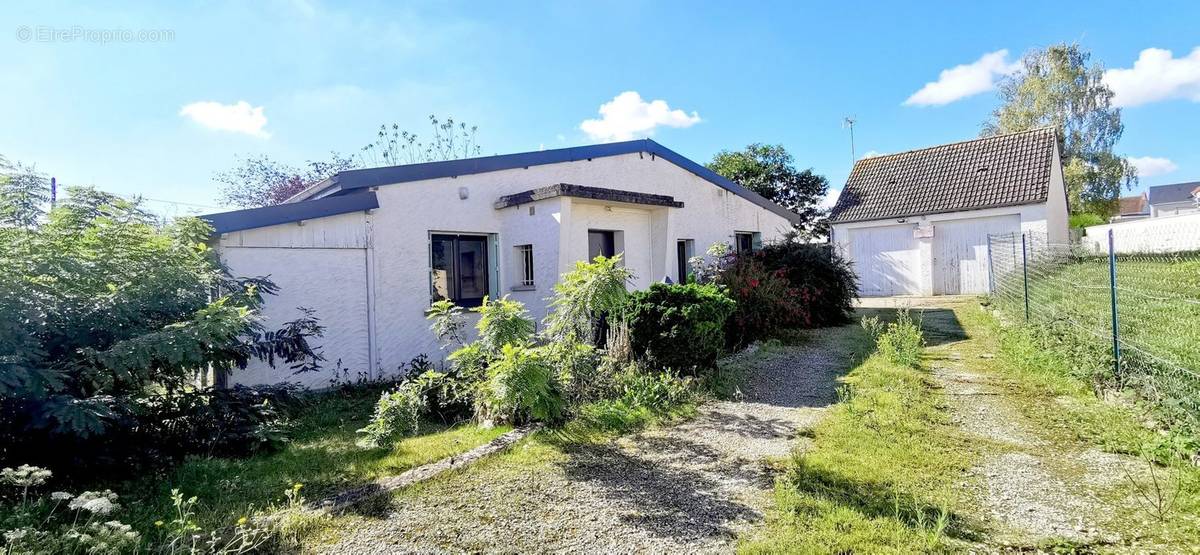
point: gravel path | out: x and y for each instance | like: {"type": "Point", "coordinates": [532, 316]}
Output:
{"type": "Point", "coordinates": [687, 488]}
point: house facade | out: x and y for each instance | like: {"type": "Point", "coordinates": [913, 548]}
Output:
{"type": "Point", "coordinates": [369, 250]}
{"type": "Point", "coordinates": [1132, 208]}
{"type": "Point", "coordinates": [917, 222]}
{"type": "Point", "coordinates": [1178, 199]}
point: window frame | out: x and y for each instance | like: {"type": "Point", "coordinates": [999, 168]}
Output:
{"type": "Point", "coordinates": [525, 276]}
{"type": "Point", "coordinates": [453, 281]}
{"type": "Point", "coordinates": [610, 241]}
{"type": "Point", "coordinates": [685, 249]}
{"type": "Point", "coordinates": [753, 238]}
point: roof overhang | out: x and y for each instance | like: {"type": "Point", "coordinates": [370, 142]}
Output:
{"type": "Point", "coordinates": [585, 192]}
{"type": "Point", "coordinates": [250, 218]}
{"type": "Point", "coordinates": [346, 182]}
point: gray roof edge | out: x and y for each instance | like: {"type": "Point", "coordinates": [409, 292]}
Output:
{"type": "Point", "coordinates": [373, 177]}
{"type": "Point", "coordinates": [250, 218]}
{"type": "Point", "coordinates": [1172, 192]}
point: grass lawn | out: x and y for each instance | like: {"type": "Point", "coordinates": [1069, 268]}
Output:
{"type": "Point", "coordinates": [322, 455]}
{"type": "Point", "coordinates": [880, 474]}
{"type": "Point", "coordinates": [1158, 302]}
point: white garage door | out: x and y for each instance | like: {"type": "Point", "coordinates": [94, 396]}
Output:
{"type": "Point", "coordinates": [886, 260]}
{"type": "Point", "coordinates": [960, 257]}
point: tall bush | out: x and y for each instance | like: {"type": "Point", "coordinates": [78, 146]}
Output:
{"type": "Point", "coordinates": [521, 386]}
{"type": "Point", "coordinates": [681, 327]}
{"type": "Point", "coordinates": [824, 278]}
{"type": "Point", "coordinates": [766, 302]}
{"type": "Point", "coordinates": [103, 310]}
{"type": "Point", "coordinates": [585, 297]}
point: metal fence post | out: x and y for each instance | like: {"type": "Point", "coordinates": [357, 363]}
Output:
{"type": "Point", "coordinates": [991, 269]}
{"type": "Point", "coordinates": [1112, 281]}
{"type": "Point", "coordinates": [1025, 271]}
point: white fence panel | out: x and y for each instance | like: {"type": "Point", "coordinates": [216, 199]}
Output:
{"type": "Point", "coordinates": [1166, 234]}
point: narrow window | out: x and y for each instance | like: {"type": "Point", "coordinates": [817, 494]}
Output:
{"type": "Point", "coordinates": [601, 243]}
{"type": "Point", "coordinates": [685, 249]}
{"type": "Point", "coordinates": [459, 268]}
{"type": "Point", "coordinates": [524, 266]}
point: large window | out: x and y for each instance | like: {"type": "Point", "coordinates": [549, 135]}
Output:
{"type": "Point", "coordinates": [601, 243]}
{"type": "Point", "coordinates": [459, 266]}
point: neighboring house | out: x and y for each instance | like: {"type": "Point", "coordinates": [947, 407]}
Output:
{"type": "Point", "coordinates": [1132, 208]}
{"type": "Point", "coordinates": [370, 249]}
{"type": "Point", "coordinates": [917, 222]}
{"type": "Point", "coordinates": [1175, 200]}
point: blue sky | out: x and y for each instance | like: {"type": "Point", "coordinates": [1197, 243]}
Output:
{"type": "Point", "coordinates": [158, 115]}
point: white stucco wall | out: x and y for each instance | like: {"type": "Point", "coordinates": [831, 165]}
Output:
{"type": "Point", "coordinates": [1162, 234]}
{"type": "Point", "coordinates": [1181, 208]}
{"type": "Point", "coordinates": [397, 235]}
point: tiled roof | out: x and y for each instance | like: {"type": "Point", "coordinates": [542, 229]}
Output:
{"type": "Point", "coordinates": [1178, 192]}
{"type": "Point", "coordinates": [1134, 205]}
{"type": "Point", "coordinates": [1005, 170]}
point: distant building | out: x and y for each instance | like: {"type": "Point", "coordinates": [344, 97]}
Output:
{"type": "Point", "coordinates": [1175, 200]}
{"type": "Point", "coordinates": [1133, 208]}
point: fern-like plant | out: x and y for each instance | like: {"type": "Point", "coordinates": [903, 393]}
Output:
{"type": "Point", "coordinates": [586, 295]}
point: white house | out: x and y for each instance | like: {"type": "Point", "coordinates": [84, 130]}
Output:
{"type": "Point", "coordinates": [917, 222]}
{"type": "Point", "coordinates": [1178, 199]}
{"type": "Point", "coordinates": [370, 249]}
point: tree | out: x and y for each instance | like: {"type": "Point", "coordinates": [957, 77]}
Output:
{"type": "Point", "coordinates": [770, 171]}
{"type": "Point", "coordinates": [23, 194]}
{"type": "Point", "coordinates": [263, 181]}
{"type": "Point", "coordinates": [394, 146]}
{"type": "Point", "coordinates": [1056, 87]}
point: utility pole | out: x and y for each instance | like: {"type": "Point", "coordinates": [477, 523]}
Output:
{"type": "Point", "coordinates": [849, 121]}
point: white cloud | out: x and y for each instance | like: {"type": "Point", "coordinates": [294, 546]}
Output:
{"type": "Point", "coordinates": [237, 118]}
{"type": "Point", "coordinates": [1156, 75]}
{"type": "Point", "coordinates": [965, 80]}
{"type": "Point", "coordinates": [829, 199]}
{"type": "Point", "coordinates": [1149, 166]}
{"type": "Point", "coordinates": [871, 154]}
{"type": "Point", "coordinates": [627, 116]}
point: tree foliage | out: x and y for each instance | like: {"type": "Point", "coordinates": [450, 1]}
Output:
{"type": "Point", "coordinates": [263, 181]}
{"type": "Point", "coordinates": [103, 308]}
{"type": "Point", "coordinates": [770, 171]}
{"type": "Point", "coordinates": [1056, 87]}
{"type": "Point", "coordinates": [23, 192]}
{"type": "Point", "coordinates": [394, 146]}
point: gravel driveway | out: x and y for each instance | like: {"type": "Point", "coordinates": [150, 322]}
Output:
{"type": "Point", "coordinates": [689, 488]}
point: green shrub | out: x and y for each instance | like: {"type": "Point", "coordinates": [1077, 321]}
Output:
{"type": "Point", "coordinates": [585, 297]}
{"type": "Point", "coordinates": [681, 327]}
{"type": "Point", "coordinates": [901, 340]}
{"type": "Point", "coordinates": [766, 301]}
{"type": "Point", "coordinates": [397, 414]}
{"type": "Point", "coordinates": [657, 391]}
{"type": "Point", "coordinates": [825, 279]}
{"type": "Point", "coordinates": [503, 322]}
{"type": "Point", "coordinates": [520, 387]}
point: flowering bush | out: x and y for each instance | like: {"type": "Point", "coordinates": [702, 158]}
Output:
{"type": "Point", "coordinates": [62, 522]}
{"type": "Point", "coordinates": [825, 279]}
{"type": "Point", "coordinates": [766, 301]}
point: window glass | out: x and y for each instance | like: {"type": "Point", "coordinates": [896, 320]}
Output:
{"type": "Point", "coordinates": [745, 243]}
{"type": "Point", "coordinates": [459, 268]}
{"type": "Point", "coordinates": [601, 243]}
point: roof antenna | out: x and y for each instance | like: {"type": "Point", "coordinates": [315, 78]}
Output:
{"type": "Point", "coordinates": [849, 121]}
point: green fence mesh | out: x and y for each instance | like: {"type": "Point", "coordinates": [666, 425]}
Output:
{"type": "Point", "coordinates": [1068, 288]}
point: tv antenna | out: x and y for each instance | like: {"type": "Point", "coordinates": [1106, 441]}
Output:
{"type": "Point", "coordinates": [849, 121]}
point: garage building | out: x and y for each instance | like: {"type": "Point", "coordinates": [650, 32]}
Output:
{"type": "Point", "coordinates": [917, 222]}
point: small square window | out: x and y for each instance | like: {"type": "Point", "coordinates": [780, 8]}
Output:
{"type": "Point", "coordinates": [746, 242]}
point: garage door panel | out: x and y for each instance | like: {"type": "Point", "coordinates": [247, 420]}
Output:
{"type": "Point", "coordinates": [960, 256]}
{"type": "Point", "coordinates": [886, 260]}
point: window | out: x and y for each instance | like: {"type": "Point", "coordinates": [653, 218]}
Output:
{"type": "Point", "coordinates": [601, 243]}
{"type": "Point", "coordinates": [459, 268]}
{"type": "Point", "coordinates": [685, 249]}
{"type": "Point", "coordinates": [746, 242]}
{"type": "Point", "coordinates": [524, 267]}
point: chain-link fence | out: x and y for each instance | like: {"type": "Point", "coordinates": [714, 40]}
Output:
{"type": "Point", "coordinates": [1134, 316]}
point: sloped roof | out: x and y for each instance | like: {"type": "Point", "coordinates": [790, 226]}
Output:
{"type": "Point", "coordinates": [1134, 205]}
{"type": "Point", "coordinates": [1005, 170]}
{"type": "Point", "coordinates": [1177, 192]}
{"type": "Point", "coordinates": [351, 180]}
{"type": "Point", "coordinates": [237, 220]}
